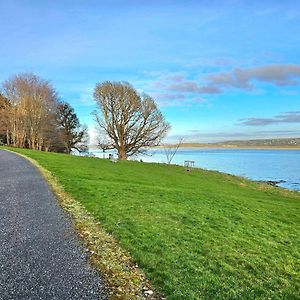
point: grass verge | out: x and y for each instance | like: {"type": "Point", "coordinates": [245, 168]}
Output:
{"type": "Point", "coordinates": [196, 235]}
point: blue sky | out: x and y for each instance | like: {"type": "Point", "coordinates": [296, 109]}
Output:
{"type": "Point", "coordinates": [219, 70]}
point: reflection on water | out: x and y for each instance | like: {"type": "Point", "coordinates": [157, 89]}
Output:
{"type": "Point", "coordinates": [256, 164]}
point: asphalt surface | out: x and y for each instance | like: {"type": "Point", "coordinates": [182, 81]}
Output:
{"type": "Point", "coordinates": [40, 255]}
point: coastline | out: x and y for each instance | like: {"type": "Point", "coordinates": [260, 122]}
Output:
{"type": "Point", "coordinates": [235, 147]}
{"type": "Point", "coordinates": [185, 146]}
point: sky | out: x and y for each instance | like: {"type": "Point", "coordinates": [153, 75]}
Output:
{"type": "Point", "coordinates": [218, 70]}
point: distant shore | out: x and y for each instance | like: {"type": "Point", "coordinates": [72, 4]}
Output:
{"type": "Point", "coordinates": [216, 146]}
{"type": "Point", "coordinates": [212, 146]}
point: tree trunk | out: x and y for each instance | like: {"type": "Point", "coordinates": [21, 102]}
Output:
{"type": "Point", "coordinates": [122, 155]}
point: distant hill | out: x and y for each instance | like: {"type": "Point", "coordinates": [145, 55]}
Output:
{"type": "Point", "coordinates": [285, 143]}
{"type": "Point", "coordinates": [265, 142]}
{"type": "Point", "coordinates": [259, 143]}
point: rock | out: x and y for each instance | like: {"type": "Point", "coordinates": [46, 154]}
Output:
{"type": "Point", "coordinates": [148, 292]}
{"type": "Point", "coordinates": [273, 182]}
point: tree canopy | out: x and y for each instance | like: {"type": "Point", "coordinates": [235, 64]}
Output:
{"type": "Point", "coordinates": [32, 111]}
{"type": "Point", "coordinates": [31, 116]}
{"type": "Point", "coordinates": [129, 121]}
{"type": "Point", "coordinates": [74, 135]}
{"type": "Point", "coordinates": [4, 119]}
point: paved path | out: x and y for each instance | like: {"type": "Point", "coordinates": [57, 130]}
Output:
{"type": "Point", "coordinates": [40, 256]}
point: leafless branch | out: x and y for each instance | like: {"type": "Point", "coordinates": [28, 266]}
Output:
{"type": "Point", "coordinates": [171, 150]}
{"type": "Point", "coordinates": [130, 121]}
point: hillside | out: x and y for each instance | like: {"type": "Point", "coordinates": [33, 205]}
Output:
{"type": "Point", "coordinates": [259, 143]}
{"type": "Point", "coordinates": [265, 142]}
{"type": "Point", "coordinates": [198, 234]}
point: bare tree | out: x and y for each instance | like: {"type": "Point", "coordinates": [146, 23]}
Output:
{"type": "Point", "coordinates": [171, 150]}
{"type": "Point", "coordinates": [131, 121]}
{"type": "Point", "coordinates": [4, 118]}
{"type": "Point", "coordinates": [32, 107]}
{"type": "Point", "coordinates": [104, 143]}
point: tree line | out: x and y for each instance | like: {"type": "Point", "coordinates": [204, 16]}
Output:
{"type": "Point", "coordinates": [32, 116]}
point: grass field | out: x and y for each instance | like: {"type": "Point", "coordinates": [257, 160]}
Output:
{"type": "Point", "coordinates": [196, 235]}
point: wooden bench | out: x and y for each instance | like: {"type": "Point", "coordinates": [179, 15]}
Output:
{"type": "Point", "coordinates": [189, 163]}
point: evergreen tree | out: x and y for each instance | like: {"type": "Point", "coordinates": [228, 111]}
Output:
{"type": "Point", "coordinates": [74, 135]}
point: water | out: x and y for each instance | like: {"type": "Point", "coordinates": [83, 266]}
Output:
{"type": "Point", "coordinates": [255, 164]}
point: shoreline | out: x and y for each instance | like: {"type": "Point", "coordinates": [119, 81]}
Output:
{"type": "Point", "coordinates": [234, 147]}
{"type": "Point", "coordinates": [219, 147]}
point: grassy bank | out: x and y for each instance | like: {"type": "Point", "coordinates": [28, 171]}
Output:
{"type": "Point", "coordinates": [196, 235]}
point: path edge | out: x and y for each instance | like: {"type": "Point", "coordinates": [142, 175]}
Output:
{"type": "Point", "coordinates": [124, 279]}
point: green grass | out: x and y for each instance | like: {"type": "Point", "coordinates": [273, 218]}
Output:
{"type": "Point", "coordinates": [196, 235]}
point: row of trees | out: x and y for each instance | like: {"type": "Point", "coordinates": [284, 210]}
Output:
{"type": "Point", "coordinates": [32, 116]}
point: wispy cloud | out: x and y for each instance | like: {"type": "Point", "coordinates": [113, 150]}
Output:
{"type": "Point", "coordinates": [210, 62]}
{"type": "Point", "coordinates": [267, 11]}
{"type": "Point", "coordinates": [190, 86]}
{"type": "Point", "coordinates": [287, 117]}
{"type": "Point", "coordinates": [174, 84]}
{"type": "Point", "coordinates": [178, 83]}
{"type": "Point", "coordinates": [168, 96]}
{"type": "Point", "coordinates": [177, 77]}
{"type": "Point", "coordinates": [176, 99]}
{"type": "Point", "coordinates": [85, 96]}
{"type": "Point", "coordinates": [278, 75]}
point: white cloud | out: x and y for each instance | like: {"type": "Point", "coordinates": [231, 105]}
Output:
{"type": "Point", "coordinates": [86, 96]}
{"type": "Point", "coordinates": [93, 134]}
